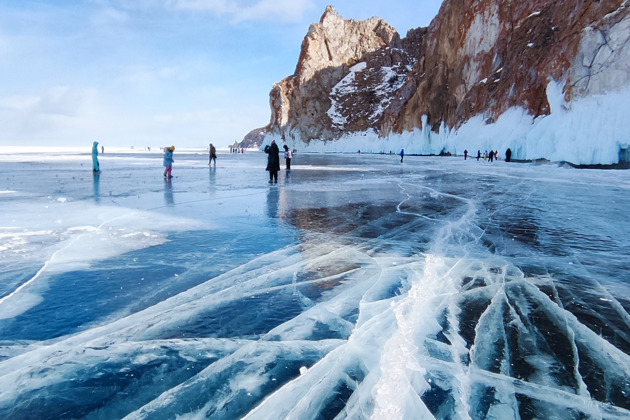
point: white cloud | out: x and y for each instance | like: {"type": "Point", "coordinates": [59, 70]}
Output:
{"type": "Point", "coordinates": [18, 103]}
{"type": "Point", "coordinates": [58, 100]}
{"type": "Point", "coordinates": [56, 113]}
{"type": "Point", "coordinates": [66, 116]}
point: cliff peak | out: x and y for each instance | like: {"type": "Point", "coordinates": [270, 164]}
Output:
{"type": "Point", "coordinates": [330, 13]}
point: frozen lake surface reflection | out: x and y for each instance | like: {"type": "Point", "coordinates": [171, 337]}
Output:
{"type": "Point", "coordinates": [358, 287]}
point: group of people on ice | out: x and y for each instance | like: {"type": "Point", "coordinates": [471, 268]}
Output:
{"type": "Point", "coordinates": [167, 162]}
{"type": "Point", "coordinates": [273, 158]}
{"type": "Point", "coordinates": [492, 155]}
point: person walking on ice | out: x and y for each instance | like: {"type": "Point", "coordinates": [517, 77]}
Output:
{"type": "Point", "coordinates": [168, 161]}
{"type": "Point", "coordinates": [95, 165]}
{"type": "Point", "coordinates": [213, 155]}
{"type": "Point", "coordinates": [288, 155]}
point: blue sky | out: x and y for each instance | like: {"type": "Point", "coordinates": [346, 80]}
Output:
{"type": "Point", "coordinates": [155, 72]}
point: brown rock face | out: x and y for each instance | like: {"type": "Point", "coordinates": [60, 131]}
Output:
{"type": "Point", "coordinates": [485, 57]}
{"type": "Point", "coordinates": [300, 102]}
{"type": "Point", "coordinates": [476, 58]}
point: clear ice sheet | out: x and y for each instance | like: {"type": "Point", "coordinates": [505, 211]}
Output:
{"type": "Point", "coordinates": [358, 287]}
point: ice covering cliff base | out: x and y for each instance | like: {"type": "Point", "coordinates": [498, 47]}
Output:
{"type": "Point", "coordinates": [588, 131]}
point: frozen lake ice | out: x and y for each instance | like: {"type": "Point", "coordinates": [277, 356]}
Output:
{"type": "Point", "coordinates": [358, 287]}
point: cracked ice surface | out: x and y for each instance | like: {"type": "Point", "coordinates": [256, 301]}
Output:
{"type": "Point", "coordinates": [358, 287]}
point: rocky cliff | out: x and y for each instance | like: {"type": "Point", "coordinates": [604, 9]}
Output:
{"type": "Point", "coordinates": [300, 103]}
{"type": "Point", "coordinates": [254, 138]}
{"type": "Point", "coordinates": [476, 60]}
{"type": "Point", "coordinates": [483, 57]}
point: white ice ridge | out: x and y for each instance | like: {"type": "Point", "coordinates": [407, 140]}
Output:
{"type": "Point", "coordinates": [83, 235]}
{"type": "Point", "coordinates": [387, 360]}
{"type": "Point", "coordinates": [394, 355]}
{"type": "Point", "coordinates": [259, 276]}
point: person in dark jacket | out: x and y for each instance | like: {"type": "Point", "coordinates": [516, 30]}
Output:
{"type": "Point", "coordinates": [508, 155]}
{"type": "Point", "coordinates": [213, 155]}
{"type": "Point", "coordinates": [273, 161]}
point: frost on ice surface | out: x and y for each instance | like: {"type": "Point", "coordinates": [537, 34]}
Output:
{"type": "Point", "coordinates": [358, 287]}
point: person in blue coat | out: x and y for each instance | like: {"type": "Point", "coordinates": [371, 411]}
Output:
{"type": "Point", "coordinates": [168, 161]}
{"type": "Point", "coordinates": [402, 155]}
{"type": "Point", "coordinates": [95, 165]}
